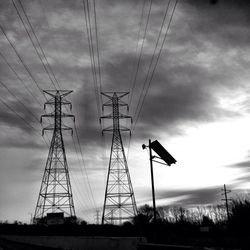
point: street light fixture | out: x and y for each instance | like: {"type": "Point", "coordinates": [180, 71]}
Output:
{"type": "Point", "coordinates": [163, 155]}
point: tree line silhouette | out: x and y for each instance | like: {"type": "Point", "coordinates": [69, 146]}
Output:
{"type": "Point", "coordinates": [200, 226]}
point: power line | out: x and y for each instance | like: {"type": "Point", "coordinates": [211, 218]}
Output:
{"type": "Point", "coordinates": [20, 79]}
{"type": "Point", "coordinates": [21, 60]}
{"type": "Point", "coordinates": [13, 110]}
{"type": "Point", "coordinates": [78, 194]}
{"type": "Point", "coordinates": [140, 55]}
{"type": "Point", "coordinates": [25, 107]}
{"type": "Point", "coordinates": [90, 39]}
{"type": "Point", "coordinates": [99, 67]}
{"type": "Point", "coordinates": [157, 60]}
{"type": "Point", "coordinates": [91, 52]}
{"type": "Point", "coordinates": [23, 119]}
{"type": "Point", "coordinates": [39, 44]}
{"type": "Point", "coordinates": [97, 88]}
{"type": "Point", "coordinates": [80, 164]}
{"type": "Point", "coordinates": [97, 48]}
{"type": "Point", "coordinates": [137, 44]}
{"type": "Point", "coordinates": [151, 61]}
{"type": "Point", "coordinates": [26, 67]}
{"type": "Point", "coordinates": [133, 72]}
{"type": "Point", "coordinates": [33, 44]}
{"type": "Point", "coordinates": [82, 158]}
{"type": "Point", "coordinates": [152, 57]}
{"type": "Point", "coordinates": [133, 82]}
{"type": "Point", "coordinates": [86, 8]}
{"type": "Point", "coordinates": [91, 42]}
{"type": "Point", "coordinates": [30, 112]}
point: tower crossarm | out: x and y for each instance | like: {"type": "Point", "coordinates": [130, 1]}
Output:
{"type": "Point", "coordinates": [49, 128]}
{"type": "Point", "coordinates": [64, 115]}
{"type": "Point", "coordinates": [120, 116]}
{"type": "Point", "coordinates": [109, 104]}
{"type": "Point", "coordinates": [110, 116]}
{"type": "Point", "coordinates": [108, 129]}
{"type": "Point", "coordinates": [124, 129]}
{"type": "Point", "coordinates": [63, 103]}
{"type": "Point", "coordinates": [67, 129]}
{"type": "Point", "coordinates": [54, 92]}
{"type": "Point", "coordinates": [50, 115]}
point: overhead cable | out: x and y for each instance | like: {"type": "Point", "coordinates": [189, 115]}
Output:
{"type": "Point", "coordinates": [156, 63]}
{"type": "Point", "coordinates": [33, 44]}
{"type": "Point", "coordinates": [39, 44]}
{"type": "Point", "coordinates": [152, 58]}
{"type": "Point", "coordinates": [20, 79]}
{"type": "Point", "coordinates": [140, 55]}
{"type": "Point", "coordinates": [21, 60]}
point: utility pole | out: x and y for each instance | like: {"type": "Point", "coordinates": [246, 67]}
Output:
{"type": "Point", "coordinates": [152, 178]}
{"type": "Point", "coordinates": [166, 159]}
{"type": "Point", "coordinates": [119, 202]}
{"type": "Point", "coordinates": [225, 192]}
{"type": "Point", "coordinates": [55, 196]}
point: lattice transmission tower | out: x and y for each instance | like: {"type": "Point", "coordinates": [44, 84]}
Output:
{"type": "Point", "coordinates": [55, 196]}
{"type": "Point", "coordinates": [119, 203]}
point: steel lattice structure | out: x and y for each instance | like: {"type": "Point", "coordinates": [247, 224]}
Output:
{"type": "Point", "coordinates": [55, 193]}
{"type": "Point", "coordinates": [119, 203]}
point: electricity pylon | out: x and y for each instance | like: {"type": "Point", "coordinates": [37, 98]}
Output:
{"type": "Point", "coordinates": [119, 203]}
{"type": "Point", "coordinates": [55, 194]}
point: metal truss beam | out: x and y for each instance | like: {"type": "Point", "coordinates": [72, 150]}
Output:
{"type": "Point", "coordinates": [119, 203]}
{"type": "Point", "coordinates": [55, 193]}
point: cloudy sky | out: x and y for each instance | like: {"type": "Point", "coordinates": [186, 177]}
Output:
{"type": "Point", "coordinates": [197, 104]}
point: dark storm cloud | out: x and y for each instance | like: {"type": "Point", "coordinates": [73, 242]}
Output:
{"type": "Point", "coordinates": [202, 196]}
{"type": "Point", "coordinates": [243, 179]}
{"type": "Point", "coordinates": [189, 197]}
{"type": "Point", "coordinates": [18, 139]}
{"type": "Point", "coordinates": [186, 92]}
{"type": "Point", "coordinates": [243, 164]}
{"type": "Point", "coordinates": [179, 99]}
{"type": "Point", "coordinates": [182, 91]}
{"type": "Point", "coordinates": [220, 23]}
{"type": "Point", "coordinates": [86, 110]}
{"type": "Point", "coordinates": [9, 117]}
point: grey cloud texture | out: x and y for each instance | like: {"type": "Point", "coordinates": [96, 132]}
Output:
{"type": "Point", "coordinates": [185, 91]}
{"type": "Point", "coordinates": [188, 197]}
